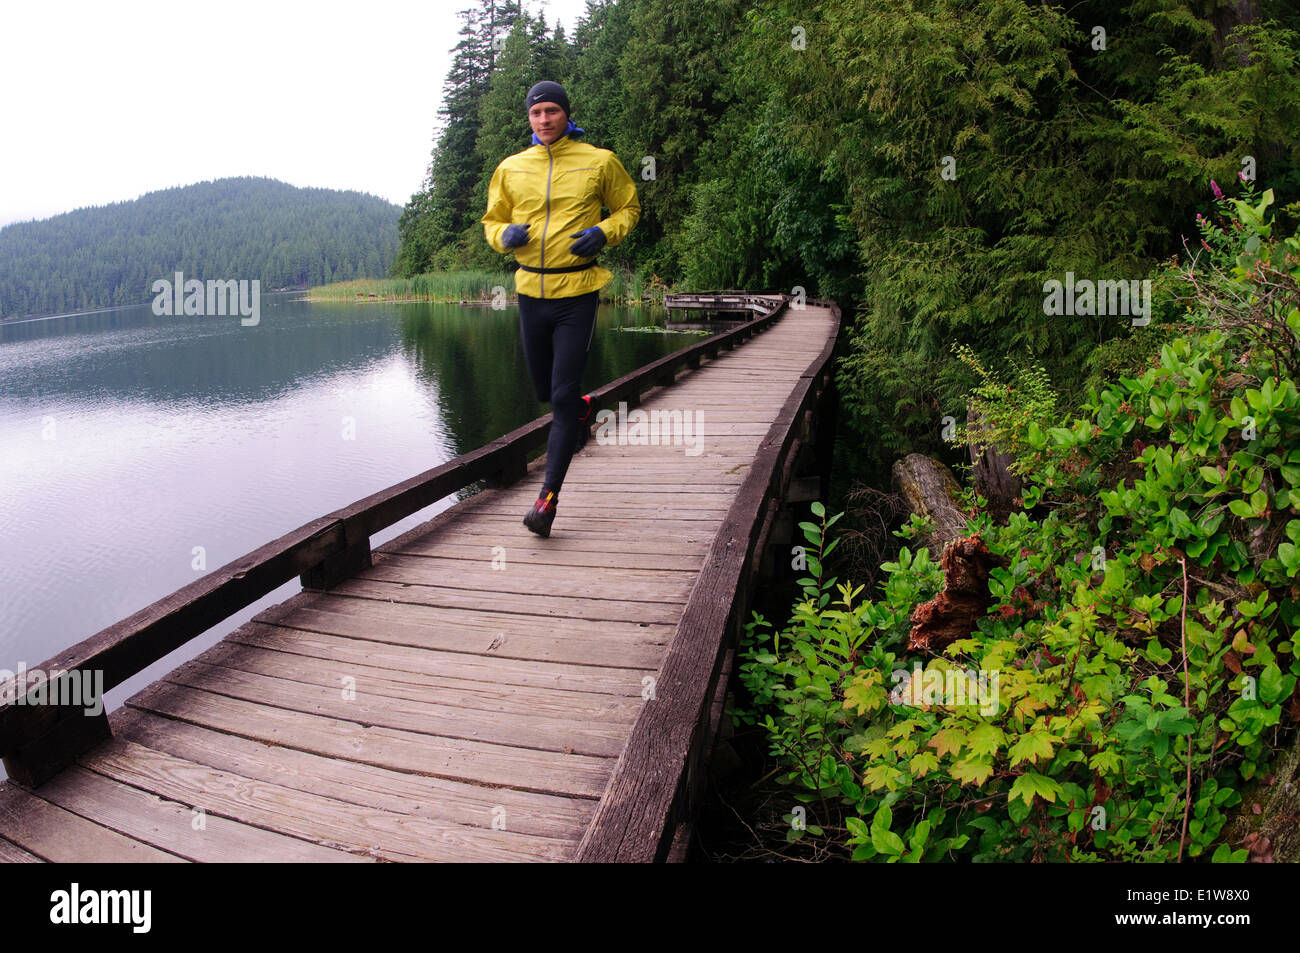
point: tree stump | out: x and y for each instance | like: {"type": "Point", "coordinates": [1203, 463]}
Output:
{"type": "Point", "coordinates": [929, 489]}
{"type": "Point", "coordinates": [991, 473]}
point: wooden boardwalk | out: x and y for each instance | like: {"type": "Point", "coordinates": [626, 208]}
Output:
{"type": "Point", "coordinates": [468, 697]}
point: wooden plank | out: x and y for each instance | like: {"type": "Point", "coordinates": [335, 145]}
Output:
{"type": "Point", "coordinates": [373, 680]}
{"type": "Point", "coordinates": [689, 531]}
{"type": "Point", "coordinates": [484, 634]}
{"type": "Point", "coordinates": [704, 493]}
{"type": "Point", "coordinates": [170, 825]}
{"type": "Point", "coordinates": [13, 854]}
{"type": "Point", "coordinates": [640, 585]}
{"type": "Point", "coordinates": [332, 826]}
{"type": "Point", "coordinates": [629, 509]}
{"type": "Point", "coordinates": [472, 761]}
{"type": "Point", "coordinates": [460, 548]}
{"type": "Point", "coordinates": [506, 603]}
{"type": "Point", "coordinates": [498, 533]}
{"type": "Point", "coordinates": [543, 815]}
{"type": "Point", "coordinates": [53, 834]}
{"type": "Point", "coordinates": [688, 499]}
{"type": "Point", "coordinates": [449, 668]}
{"type": "Point", "coordinates": [475, 630]}
{"type": "Point", "coordinates": [538, 732]}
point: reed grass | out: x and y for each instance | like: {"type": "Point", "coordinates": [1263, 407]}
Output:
{"type": "Point", "coordinates": [435, 286]}
{"type": "Point", "coordinates": [625, 288]}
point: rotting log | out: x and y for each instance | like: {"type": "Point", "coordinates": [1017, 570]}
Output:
{"type": "Point", "coordinates": [929, 489]}
{"type": "Point", "coordinates": [965, 599]}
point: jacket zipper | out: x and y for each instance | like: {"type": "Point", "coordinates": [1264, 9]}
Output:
{"type": "Point", "coordinates": [550, 169]}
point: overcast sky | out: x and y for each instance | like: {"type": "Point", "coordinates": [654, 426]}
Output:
{"type": "Point", "coordinates": [103, 101]}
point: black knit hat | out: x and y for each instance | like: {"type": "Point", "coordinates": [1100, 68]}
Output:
{"type": "Point", "coordinates": [547, 92]}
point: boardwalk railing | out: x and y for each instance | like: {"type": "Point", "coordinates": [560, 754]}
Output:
{"type": "Point", "coordinates": [646, 812]}
{"type": "Point", "coordinates": [716, 301]}
{"type": "Point", "coordinates": [39, 740]}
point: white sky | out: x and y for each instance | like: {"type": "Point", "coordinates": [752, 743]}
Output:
{"type": "Point", "coordinates": [108, 99]}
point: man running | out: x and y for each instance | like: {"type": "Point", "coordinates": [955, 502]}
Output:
{"type": "Point", "coordinates": [544, 205]}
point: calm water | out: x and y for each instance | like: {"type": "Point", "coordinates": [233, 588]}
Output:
{"type": "Point", "coordinates": [128, 441]}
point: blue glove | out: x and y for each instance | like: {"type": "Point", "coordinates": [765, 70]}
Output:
{"type": "Point", "coordinates": [588, 242]}
{"type": "Point", "coordinates": [514, 236]}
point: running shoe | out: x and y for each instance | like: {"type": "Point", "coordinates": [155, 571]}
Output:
{"type": "Point", "coordinates": [542, 515]}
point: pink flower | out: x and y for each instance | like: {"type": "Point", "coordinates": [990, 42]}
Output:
{"type": "Point", "coordinates": [1214, 187]}
{"type": "Point", "coordinates": [1241, 174]}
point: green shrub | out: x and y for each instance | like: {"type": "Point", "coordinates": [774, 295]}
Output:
{"type": "Point", "coordinates": [1142, 625]}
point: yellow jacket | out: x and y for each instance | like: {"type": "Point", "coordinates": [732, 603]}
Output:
{"type": "Point", "coordinates": [558, 190]}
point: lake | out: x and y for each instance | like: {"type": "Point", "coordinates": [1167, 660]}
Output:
{"type": "Point", "coordinates": [139, 452]}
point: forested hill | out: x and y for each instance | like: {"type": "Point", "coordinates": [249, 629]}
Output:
{"type": "Point", "coordinates": [237, 228]}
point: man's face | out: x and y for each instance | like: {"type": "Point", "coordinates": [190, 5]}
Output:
{"type": "Point", "coordinates": [548, 121]}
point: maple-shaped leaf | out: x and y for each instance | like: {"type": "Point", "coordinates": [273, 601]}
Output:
{"type": "Point", "coordinates": [902, 729]}
{"type": "Point", "coordinates": [1031, 746]}
{"type": "Point", "coordinates": [905, 747]}
{"type": "Point", "coordinates": [1030, 784]}
{"type": "Point", "coordinates": [880, 776]}
{"type": "Point", "coordinates": [1105, 761]}
{"type": "Point", "coordinates": [1026, 707]}
{"type": "Point", "coordinates": [878, 748]}
{"type": "Point", "coordinates": [864, 697]}
{"type": "Point", "coordinates": [948, 741]}
{"type": "Point", "coordinates": [973, 770]}
{"type": "Point", "coordinates": [1098, 686]}
{"type": "Point", "coordinates": [923, 763]}
{"type": "Point", "coordinates": [985, 739]}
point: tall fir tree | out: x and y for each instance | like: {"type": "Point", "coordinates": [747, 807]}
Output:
{"type": "Point", "coordinates": [440, 212]}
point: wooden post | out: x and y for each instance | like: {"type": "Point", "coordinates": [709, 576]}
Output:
{"type": "Point", "coordinates": [41, 758]}
{"type": "Point", "coordinates": [513, 469]}
{"type": "Point", "coordinates": [339, 566]}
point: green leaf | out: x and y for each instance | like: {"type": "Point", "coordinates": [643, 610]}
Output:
{"type": "Point", "coordinates": [1031, 747]}
{"type": "Point", "coordinates": [1158, 653]}
{"type": "Point", "coordinates": [1031, 784]}
{"type": "Point", "coordinates": [972, 770]}
{"type": "Point", "coordinates": [920, 835]}
{"type": "Point", "coordinates": [922, 763]}
{"type": "Point", "coordinates": [1241, 508]}
{"type": "Point", "coordinates": [985, 739]}
{"type": "Point", "coordinates": [1273, 685]}
{"type": "Point", "coordinates": [1018, 811]}
{"type": "Point", "coordinates": [882, 838]}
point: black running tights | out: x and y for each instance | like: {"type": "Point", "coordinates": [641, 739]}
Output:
{"type": "Point", "coordinates": [556, 334]}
